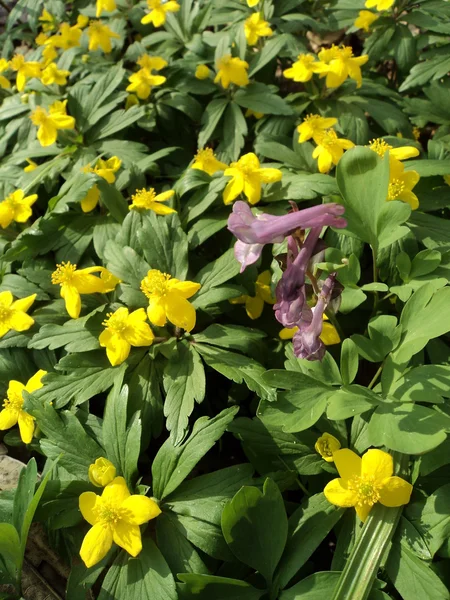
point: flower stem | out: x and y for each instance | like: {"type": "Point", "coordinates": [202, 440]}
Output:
{"type": "Point", "coordinates": [375, 377]}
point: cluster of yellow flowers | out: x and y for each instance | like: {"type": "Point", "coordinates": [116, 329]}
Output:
{"type": "Point", "coordinates": [363, 481]}
{"type": "Point", "coordinates": [336, 64]}
{"type": "Point", "coordinates": [330, 148]}
{"type": "Point", "coordinates": [366, 17]}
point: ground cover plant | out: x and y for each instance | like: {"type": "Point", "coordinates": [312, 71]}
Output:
{"type": "Point", "coordinates": [224, 299]}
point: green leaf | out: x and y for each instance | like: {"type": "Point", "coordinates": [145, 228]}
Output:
{"type": "Point", "coordinates": [255, 527]}
{"type": "Point", "coordinates": [361, 173]}
{"type": "Point", "coordinates": [211, 117]}
{"type": "Point", "coordinates": [24, 493]}
{"type": "Point", "coordinates": [173, 464]}
{"type": "Point", "coordinates": [413, 578]}
{"type": "Point", "coordinates": [184, 384]}
{"type": "Point", "coordinates": [233, 337]}
{"type": "Point", "coordinates": [433, 518]}
{"type": "Point", "coordinates": [148, 576]}
{"type": "Point", "coordinates": [125, 263]}
{"type": "Point", "coordinates": [146, 397]}
{"type": "Point", "coordinates": [429, 168]}
{"type": "Point", "coordinates": [237, 367]}
{"type": "Point", "coordinates": [114, 122]}
{"type": "Point", "coordinates": [259, 98]}
{"type": "Point", "coordinates": [113, 200]}
{"type": "Point", "coordinates": [308, 527]}
{"type": "Point", "coordinates": [10, 545]}
{"type": "Point", "coordinates": [206, 587]}
{"type": "Point", "coordinates": [215, 273]}
{"type": "Point", "coordinates": [349, 361]}
{"type": "Point", "coordinates": [351, 400]}
{"type": "Point", "coordinates": [164, 244]}
{"type": "Point", "coordinates": [407, 428]}
{"type": "Point", "coordinates": [76, 335]}
{"type": "Point", "coordinates": [390, 219]}
{"type": "Point", "coordinates": [314, 587]}
{"type": "Point", "coordinates": [272, 48]}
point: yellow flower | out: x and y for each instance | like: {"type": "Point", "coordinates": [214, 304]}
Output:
{"type": "Point", "coordinates": [416, 133]}
{"type": "Point", "coordinates": [254, 305]}
{"type": "Point", "coordinates": [202, 72]}
{"type": "Point", "coordinates": [401, 184]}
{"type": "Point", "coordinates": [100, 36]}
{"type": "Point", "coordinates": [339, 63]}
{"type": "Point", "coordinates": [16, 207]}
{"type": "Point", "coordinates": [101, 5]}
{"type": "Point", "coordinates": [365, 20]}
{"type": "Point", "coordinates": [82, 21]}
{"type": "Point", "coordinates": [231, 70]}
{"type": "Point", "coordinates": [41, 39]}
{"type": "Point", "coordinates": [152, 63]}
{"type": "Point", "coordinates": [132, 100]}
{"type": "Point", "coordinates": [205, 160]}
{"type": "Point", "coordinates": [252, 3]}
{"type": "Point", "coordinates": [74, 282]}
{"type": "Point", "coordinates": [13, 314]}
{"type": "Point", "coordinates": [158, 10]}
{"type": "Point", "coordinates": [31, 165]}
{"type": "Point", "coordinates": [168, 300]}
{"type": "Point", "coordinates": [326, 445]}
{"type": "Point", "coordinates": [48, 21]}
{"type": "Point", "coordinates": [107, 168]}
{"type": "Point", "coordinates": [51, 74]}
{"type": "Point", "coordinates": [115, 516]}
{"type": "Point", "coordinates": [253, 113]}
{"type": "Point", "coordinates": [403, 153]}
{"type": "Point", "coordinates": [24, 69]}
{"type": "Point", "coordinates": [255, 27]}
{"type": "Point", "coordinates": [313, 125]}
{"type": "Point", "coordinates": [142, 83]}
{"type": "Point", "coordinates": [50, 122]}
{"type": "Point", "coordinates": [329, 335]}
{"type": "Point", "coordinates": [13, 411]}
{"type": "Point", "coordinates": [303, 69]}
{"type": "Point", "coordinates": [90, 201]}
{"type": "Point", "coordinates": [101, 472]}
{"type": "Point", "coordinates": [247, 177]}
{"type": "Point", "coordinates": [149, 200]}
{"type": "Point", "coordinates": [366, 481]}
{"type": "Point", "coordinates": [330, 149]}
{"type": "Point", "coordinates": [4, 65]}
{"type": "Point", "coordinates": [379, 4]}
{"type": "Point", "coordinates": [124, 330]}
{"type": "Point", "coordinates": [49, 54]}
{"type": "Point", "coordinates": [67, 37]}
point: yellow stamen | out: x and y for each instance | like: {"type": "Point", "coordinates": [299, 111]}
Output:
{"type": "Point", "coordinates": [64, 272]}
{"type": "Point", "coordinates": [380, 147]}
{"type": "Point", "coordinates": [366, 488]}
{"type": "Point", "coordinates": [396, 187]}
{"type": "Point", "coordinates": [155, 284]}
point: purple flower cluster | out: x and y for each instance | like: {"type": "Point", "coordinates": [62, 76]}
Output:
{"type": "Point", "coordinates": [291, 308]}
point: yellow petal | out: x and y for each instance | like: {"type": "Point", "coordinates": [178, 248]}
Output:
{"type": "Point", "coordinates": [116, 492]}
{"type": "Point", "coordinates": [140, 509]}
{"type": "Point", "coordinates": [252, 188]}
{"type": "Point", "coordinates": [23, 304]}
{"type": "Point", "coordinates": [35, 382]}
{"type": "Point", "coordinates": [96, 544]}
{"type": "Point", "coordinates": [336, 493]}
{"type": "Point", "coordinates": [404, 152]}
{"type": "Point", "coordinates": [6, 214]}
{"type": "Point", "coordinates": [139, 334]}
{"type": "Point", "coordinates": [185, 288]}
{"type": "Point", "coordinates": [8, 418]}
{"type": "Point", "coordinates": [128, 537]}
{"type": "Point", "coordinates": [347, 463]}
{"type": "Point", "coordinates": [47, 134]}
{"type": "Point", "coordinates": [160, 209]}
{"type": "Point", "coordinates": [233, 188]}
{"type": "Point", "coordinates": [20, 321]}
{"type": "Point", "coordinates": [6, 298]}
{"type": "Point", "coordinates": [377, 464]}
{"type": "Point", "coordinates": [26, 426]}
{"type": "Point", "coordinates": [72, 300]}
{"type": "Point", "coordinates": [395, 492]}
{"type": "Point", "coordinates": [254, 306]}
{"type": "Point", "coordinates": [180, 311]}
{"type": "Point", "coordinates": [156, 312]}
{"type": "Point", "coordinates": [363, 510]}
{"type": "Point", "coordinates": [329, 335]}
{"type": "Point", "coordinates": [101, 472]}
{"type": "Point", "coordinates": [270, 175]}
{"type": "Point", "coordinates": [287, 333]}
{"type": "Point", "coordinates": [86, 502]}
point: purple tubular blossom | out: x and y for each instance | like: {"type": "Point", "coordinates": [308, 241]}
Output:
{"type": "Point", "coordinates": [253, 231]}
{"type": "Point", "coordinates": [290, 292]}
{"type": "Point", "coordinates": [307, 342]}
{"type": "Point", "coordinates": [269, 229]}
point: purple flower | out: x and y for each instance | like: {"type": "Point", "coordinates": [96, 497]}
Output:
{"type": "Point", "coordinates": [290, 292]}
{"type": "Point", "coordinates": [307, 342]}
{"type": "Point", "coordinates": [262, 229]}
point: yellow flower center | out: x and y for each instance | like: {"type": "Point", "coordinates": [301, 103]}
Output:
{"type": "Point", "coordinates": [325, 449]}
{"type": "Point", "coordinates": [109, 513]}
{"type": "Point", "coordinates": [380, 147]}
{"type": "Point", "coordinates": [5, 313]}
{"type": "Point", "coordinates": [155, 284]}
{"type": "Point", "coordinates": [96, 28]}
{"type": "Point", "coordinates": [118, 323]}
{"type": "Point", "coordinates": [17, 62]}
{"type": "Point", "coordinates": [346, 52]}
{"type": "Point", "coordinates": [144, 198]}
{"type": "Point", "coordinates": [396, 187]}
{"type": "Point", "coordinates": [13, 402]}
{"type": "Point", "coordinates": [366, 488]}
{"type": "Point", "coordinates": [39, 116]}
{"type": "Point", "coordinates": [206, 154]}
{"type": "Point", "coordinates": [64, 273]}
{"type": "Point", "coordinates": [328, 138]}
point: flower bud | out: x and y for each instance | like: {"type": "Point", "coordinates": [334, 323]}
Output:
{"type": "Point", "coordinates": [101, 472]}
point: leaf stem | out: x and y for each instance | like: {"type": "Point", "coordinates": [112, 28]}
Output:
{"type": "Point", "coordinates": [375, 377]}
